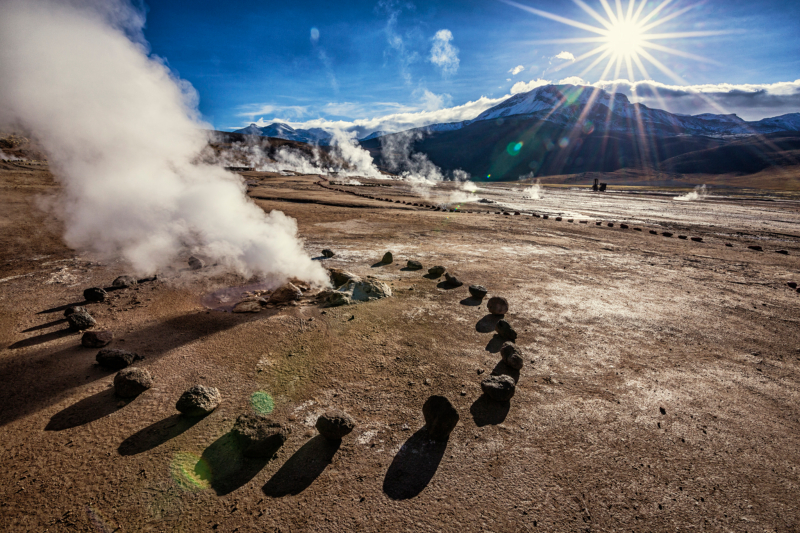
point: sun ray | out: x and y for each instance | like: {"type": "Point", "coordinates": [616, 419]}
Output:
{"type": "Point", "coordinates": [557, 18]}
{"type": "Point", "coordinates": [612, 17]}
{"type": "Point", "coordinates": [654, 12]}
{"type": "Point", "coordinates": [687, 34]}
{"type": "Point", "coordinates": [629, 16]}
{"type": "Point", "coordinates": [587, 55]}
{"type": "Point", "coordinates": [595, 63]}
{"type": "Point", "coordinates": [680, 53]}
{"type": "Point", "coordinates": [667, 18]}
{"type": "Point", "coordinates": [569, 41]}
{"type": "Point", "coordinates": [592, 13]}
{"type": "Point", "coordinates": [620, 16]}
{"type": "Point", "coordinates": [639, 11]}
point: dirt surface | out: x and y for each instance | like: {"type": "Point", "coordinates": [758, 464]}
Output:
{"type": "Point", "coordinates": [659, 392]}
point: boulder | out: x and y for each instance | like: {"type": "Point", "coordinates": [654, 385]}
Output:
{"type": "Point", "coordinates": [198, 400]}
{"type": "Point", "coordinates": [414, 265]}
{"type": "Point", "coordinates": [505, 330]}
{"type": "Point", "coordinates": [558, 219]}
{"type": "Point", "coordinates": [545, 217]}
{"type": "Point", "coordinates": [195, 263]}
{"type": "Point", "coordinates": [666, 234]}
{"type": "Point", "coordinates": [478, 291]}
{"type": "Point", "coordinates": [782, 252]}
{"type": "Point", "coordinates": [610, 224]}
{"type": "Point", "coordinates": [387, 258]}
{"type": "Point", "coordinates": [497, 305]}
{"type": "Point", "coordinates": [499, 388]}
{"type": "Point", "coordinates": [440, 417]}
{"type": "Point", "coordinates": [250, 305]}
{"type": "Point", "coordinates": [131, 382]}
{"type": "Point", "coordinates": [95, 294]}
{"type": "Point", "coordinates": [336, 298]}
{"type": "Point", "coordinates": [697, 239]}
{"type": "Point", "coordinates": [259, 435]}
{"type": "Point", "coordinates": [339, 277]}
{"type": "Point", "coordinates": [437, 271]}
{"type": "Point", "coordinates": [683, 237]}
{"type": "Point", "coordinates": [358, 291]}
{"type": "Point", "coordinates": [512, 356]}
{"type": "Point", "coordinates": [80, 321]}
{"type": "Point", "coordinates": [452, 281]}
{"type": "Point", "coordinates": [653, 232]}
{"type": "Point", "coordinates": [124, 282]}
{"type": "Point", "coordinates": [96, 339]}
{"type": "Point", "coordinates": [623, 226]}
{"type": "Point", "coordinates": [74, 309]}
{"type": "Point", "coordinates": [756, 248]}
{"type": "Point", "coordinates": [327, 253]}
{"type": "Point", "coordinates": [335, 424]}
{"type": "Point", "coordinates": [285, 293]}
{"type": "Point", "coordinates": [792, 284]}
{"type": "Point", "coordinates": [114, 359]}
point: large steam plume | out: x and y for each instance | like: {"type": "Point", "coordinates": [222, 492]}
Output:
{"type": "Point", "coordinates": [123, 136]}
{"type": "Point", "coordinates": [700, 192]}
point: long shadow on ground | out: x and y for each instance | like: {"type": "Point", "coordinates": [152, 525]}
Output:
{"type": "Point", "coordinates": [302, 468]}
{"type": "Point", "coordinates": [487, 412]}
{"type": "Point", "coordinates": [488, 323]}
{"type": "Point", "coordinates": [85, 411]}
{"type": "Point", "coordinates": [157, 434]}
{"type": "Point", "coordinates": [224, 466]}
{"type": "Point", "coordinates": [414, 466]}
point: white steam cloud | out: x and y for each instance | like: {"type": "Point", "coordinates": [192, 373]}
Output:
{"type": "Point", "coordinates": [699, 193]}
{"type": "Point", "coordinates": [5, 157]}
{"type": "Point", "coordinates": [124, 138]}
{"type": "Point", "coordinates": [534, 192]}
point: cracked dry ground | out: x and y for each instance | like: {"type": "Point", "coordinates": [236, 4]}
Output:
{"type": "Point", "coordinates": [616, 326]}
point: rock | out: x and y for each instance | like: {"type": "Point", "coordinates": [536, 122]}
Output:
{"type": "Point", "coordinates": [96, 339]}
{"type": "Point", "coordinates": [198, 400]}
{"type": "Point", "coordinates": [570, 220]}
{"type": "Point", "coordinates": [81, 320]}
{"type": "Point", "coordinates": [666, 234]}
{"type": "Point", "coordinates": [114, 359]}
{"type": "Point", "coordinates": [437, 271]}
{"type": "Point", "coordinates": [327, 253]}
{"type": "Point", "coordinates": [782, 252]}
{"type": "Point", "coordinates": [683, 237]}
{"type": "Point", "coordinates": [251, 305]}
{"type": "Point", "coordinates": [756, 248]}
{"type": "Point", "coordinates": [336, 298]}
{"type": "Point", "coordinates": [497, 305]}
{"type": "Point", "coordinates": [95, 294]}
{"type": "Point", "coordinates": [499, 388]}
{"type": "Point", "coordinates": [729, 245]}
{"type": "Point", "coordinates": [697, 239]}
{"type": "Point", "coordinates": [512, 356]}
{"type": "Point", "coordinates": [358, 291]}
{"type": "Point", "coordinates": [124, 282]}
{"type": "Point", "coordinates": [610, 224]}
{"type": "Point", "coordinates": [74, 309]}
{"type": "Point", "coordinates": [653, 232]}
{"type": "Point", "coordinates": [260, 435]}
{"type": "Point", "coordinates": [440, 417]}
{"type": "Point", "coordinates": [505, 330]}
{"type": "Point", "coordinates": [387, 258]}
{"type": "Point", "coordinates": [517, 213]}
{"type": "Point", "coordinates": [196, 263]}
{"type": "Point", "coordinates": [339, 277]}
{"type": "Point", "coordinates": [478, 291]}
{"type": "Point", "coordinates": [131, 382]}
{"type": "Point", "coordinates": [335, 424]}
{"type": "Point", "coordinates": [452, 280]}
{"type": "Point", "coordinates": [545, 217]}
{"type": "Point", "coordinates": [558, 219]}
{"type": "Point", "coordinates": [623, 226]}
{"type": "Point", "coordinates": [414, 265]}
{"type": "Point", "coordinates": [285, 293]}
{"type": "Point", "coordinates": [792, 284]}
{"type": "Point", "coordinates": [637, 229]}
{"type": "Point", "coordinates": [598, 223]}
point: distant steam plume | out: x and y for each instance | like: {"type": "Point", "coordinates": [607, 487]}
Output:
{"type": "Point", "coordinates": [534, 192]}
{"type": "Point", "coordinates": [699, 193]}
{"type": "Point", "coordinates": [123, 136]}
{"type": "Point", "coordinates": [416, 168]}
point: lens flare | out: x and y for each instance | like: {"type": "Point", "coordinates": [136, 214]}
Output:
{"type": "Point", "coordinates": [190, 472]}
{"type": "Point", "coordinates": [513, 148]}
{"type": "Point", "coordinates": [262, 402]}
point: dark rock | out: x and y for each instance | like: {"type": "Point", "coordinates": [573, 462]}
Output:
{"type": "Point", "coordinates": [387, 258]}
{"type": "Point", "coordinates": [666, 234]}
{"type": "Point", "coordinates": [653, 232]}
{"type": "Point", "coordinates": [124, 282]}
{"type": "Point", "coordinates": [285, 293]}
{"type": "Point", "coordinates": [610, 224]}
{"type": "Point", "coordinates": [570, 220]}
{"type": "Point", "coordinates": [517, 213]}
{"type": "Point", "coordinates": [697, 239]}
{"type": "Point", "coordinates": [74, 309]}
{"type": "Point", "coordinates": [414, 265]}
{"type": "Point", "coordinates": [497, 305]}
{"type": "Point", "coordinates": [80, 320]}
{"type": "Point", "coordinates": [506, 213]}
{"type": "Point", "coordinates": [512, 356]}
{"type": "Point", "coordinates": [683, 237]}
{"type": "Point", "coordinates": [598, 223]}
{"type": "Point", "coordinates": [452, 280]}
{"type": "Point", "coordinates": [792, 284]}
{"type": "Point", "coordinates": [637, 229]}
{"type": "Point", "coordinates": [558, 219]}
{"type": "Point", "coordinates": [96, 339]}
{"type": "Point", "coordinates": [729, 245]}
{"type": "Point", "coordinates": [131, 382]}
{"type": "Point", "coordinates": [195, 263]}
{"type": "Point", "coordinates": [505, 330]}
{"type": "Point", "coordinates": [335, 424]}
{"type": "Point", "coordinates": [499, 388]}
{"type": "Point", "coordinates": [440, 417]}
{"type": "Point", "coordinates": [782, 252]}
{"type": "Point", "coordinates": [260, 435]}
{"type": "Point", "coordinates": [662, 410]}
{"type": "Point", "coordinates": [545, 217]}
{"type": "Point", "coordinates": [114, 359]}
{"type": "Point", "coordinates": [340, 277]}
{"type": "Point", "coordinates": [478, 291]}
{"type": "Point", "coordinates": [623, 226]}
{"type": "Point", "coordinates": [436, 271]}
{"type": "Point", "coordinates": [198, 400]}
{"type": "Point", "coordinates": [327, 253]}
{"type": "Point", "coordinates": [95, 294]}
{"type": "Point", "coordinates": [756, 248]}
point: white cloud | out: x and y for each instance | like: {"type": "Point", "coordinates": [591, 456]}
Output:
{"type": "Point", "coordinates": [522, 87]}
{"type": "Point", "coordinates": [573, 80]}
{"type": "Point", "coordinates": [433, 102]}
{"type": "Point", "coordinates": [516, 70]}
{"type": "Point", "coordinates": [567, 56]}
{"type": "Point", "coordinates": [254, 110]}
{"type": "Point", "coordinates": [444, 54]}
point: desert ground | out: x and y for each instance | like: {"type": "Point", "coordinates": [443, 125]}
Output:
{"type": "Point", "coordinates": [660, 386]}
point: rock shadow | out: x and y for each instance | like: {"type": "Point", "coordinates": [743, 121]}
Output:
{"type": "Point", "coordinates": [431, 276]}
{"type": "Point", "coordinates": [488, 323]}
{"type": "Point", "coordinates": [302, 468]}
{"type": "Point", "coordinates": [62, 307]}
{"type": "Point", "coordinates": [414, 466]}
{"type": "Point", "coordinates": [487, 412]}
{"type": "Point", "coordinates": [88, 410]}
{"type": "Point", "coordinates": [446, 285]}
{"type": "Point", "coordinates": [224, 466]}
{"type": "Point", "coordinates": [42, 338]}
{"type": "Point", "coordinates": [406, 269]}
{"type": "Point", "coordinates": [471, 301]}
{"type": "Point", "coordinates": [502, 369]}
{"type": "Point", "coordinates": [45, 326]}
{"type": "Point", "coordinates": [157, 434]}
{"type": "Point", "coordinates": [379, 264]}
{"type": "Point", "coordinates": [495, 344]}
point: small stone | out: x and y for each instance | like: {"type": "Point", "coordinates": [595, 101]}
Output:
{"type": "Point", "coordinates": [260, 435]}
{"type": "Point", "coordinates": [80, 321]}
{"type": "Point", "coordinates": [114, 359]}
{"type": "Point", "coordinates": [387, 258]}
{"type": "Point", "coordinates": [662, 410]}
{"type": "Point", "coordinates": [610, 224]}
{"type": "Point", "coordinates": [335, 424]}
{"type": "Point", "coordinates": [545, 217]}
{"type": "Point", "coordinates": [95, 294]}
{"type": "Point", "coordinates": [131, 382]}
{"type": "Point", "coordinates": [729, 245]}
{"type": "Point", "coordinates": [478, 291]}
{"type": "Point", "coordinates": [497, 305]}
{"type": "Point", "coordinates": [499, 388]}
{"type": "Point", "coordinates": [327, 253]}
{"type": "Point", "coordinates": [512, 356]}
{"type": "Point", "coordinates": [558, 219]}
{"type": "Point", "coordinates": [452, 280]}
{"type": "Point", "coordinates": [198, 400]}
{"type": "Point", "coordinates": [756, 248]}
{"type": "Point", "coordinates": [196, 263]}
{"type": "Point", "coordinates": [782, 252]}
{"type": "Point", "coordinates": [481, 371]}
{"type": "Point", "coordinates": [437, 271]}
{"type": "Point", "coordinates": [623, 226]}
{"type": "Point", "coordinates": [653, 232]}
{"type": "Point", "coordinates": [414, 265]}
{"type": "Point", "coordinates": [697, 239]}
{"type": "Point", "coordinates": [96, 339]}
{"type": "Point", "coordinates": [666, 234]}
{"type": "Point", "coordinates": [683, 237]}
{"type": "Point", "coordinates": [124, 282]}
{"type": "Point", "coordinates": [440, 417]}
{"type": "Point", "coordinates": [285, 293]}
{"type": "Point", "coordinates": [792, 284]}
{"type": "Point", "coordinates": [505, 330]}
{"type": "Point", "coordinates": [74, 309]}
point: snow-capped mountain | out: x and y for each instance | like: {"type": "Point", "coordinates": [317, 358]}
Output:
{"type": "Point", "coordinates": [280, 130]}
{"type": "Point", "coordinates": [375, 135]}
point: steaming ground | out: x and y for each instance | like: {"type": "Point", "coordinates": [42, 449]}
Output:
{"type": "Point", "coordinates": [617, 325]}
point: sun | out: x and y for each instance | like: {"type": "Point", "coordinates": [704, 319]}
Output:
{"type": "Point", "coordinates": [625, 38]}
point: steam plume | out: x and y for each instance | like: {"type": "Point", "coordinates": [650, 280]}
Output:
{"type": "Point", "coordinates": [534, 192]}
{"type": "Point", "coordinates": [700, 192]}
{"type": "Point", "coordinates": [123, 136]}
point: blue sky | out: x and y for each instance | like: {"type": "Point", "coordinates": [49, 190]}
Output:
{"type": "Point", "coordinates": [311, 63]}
